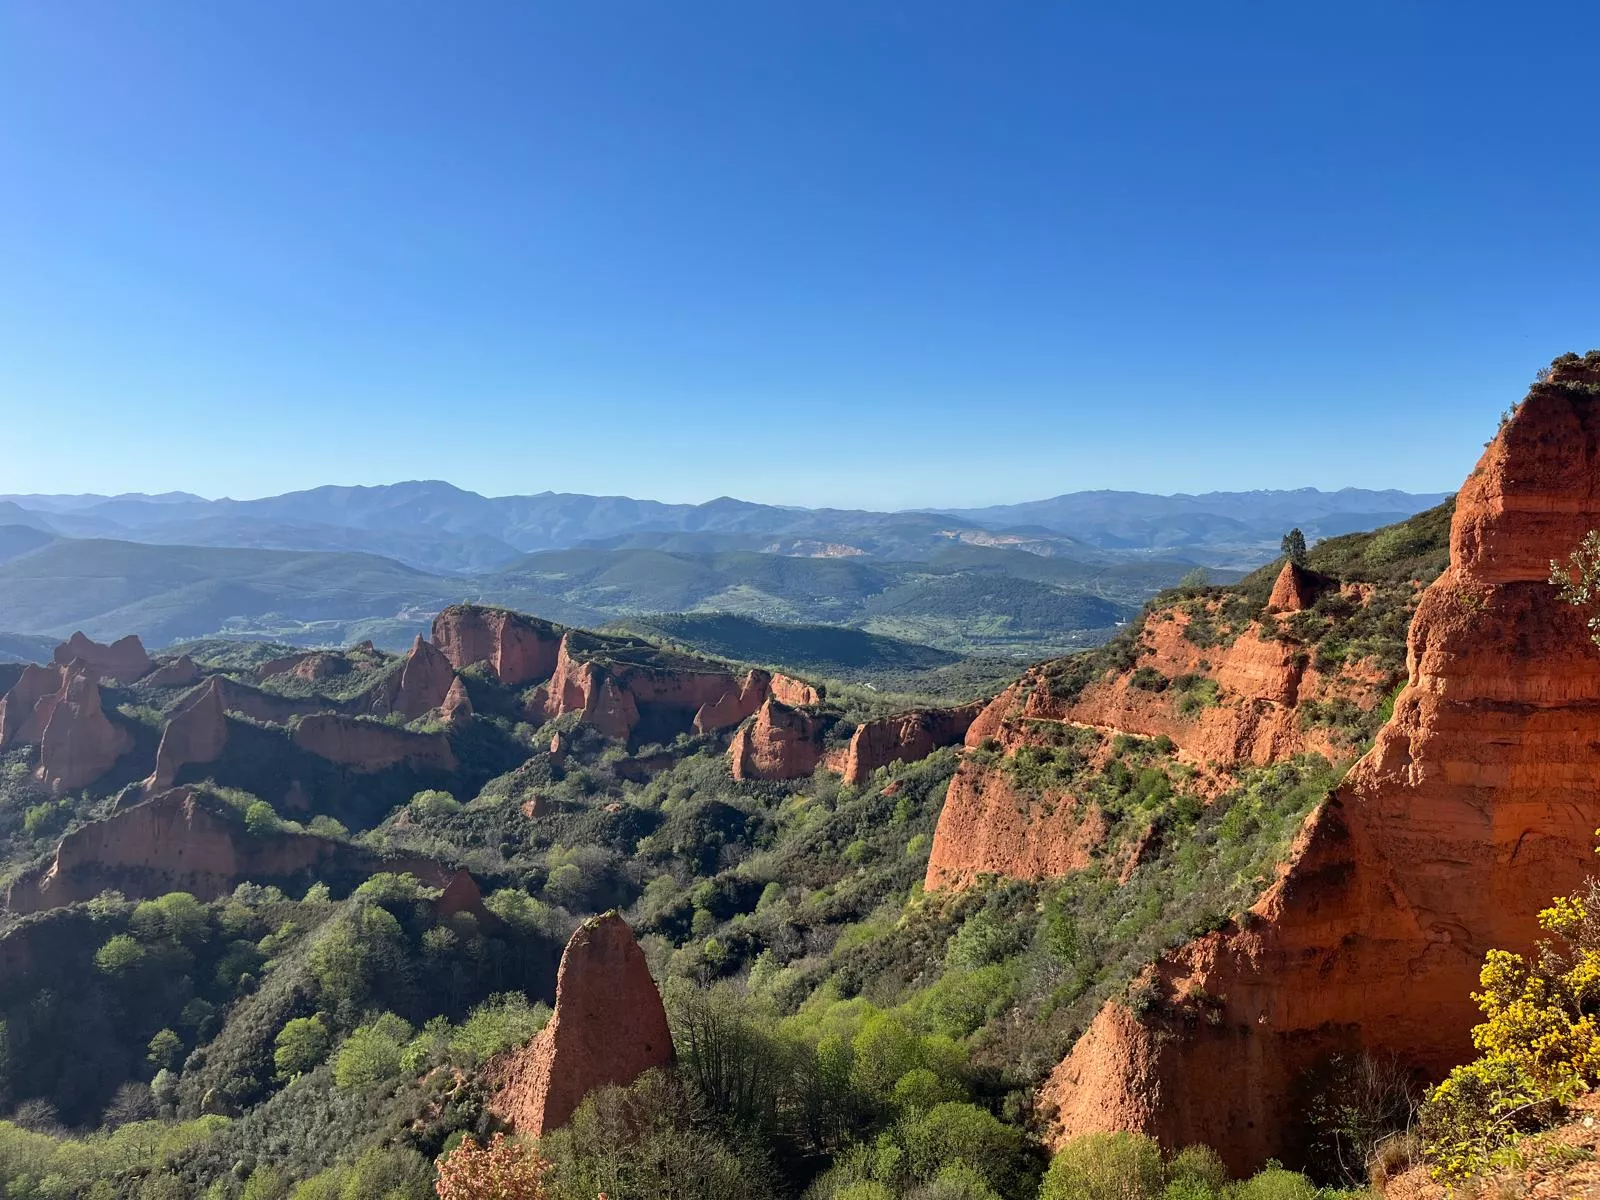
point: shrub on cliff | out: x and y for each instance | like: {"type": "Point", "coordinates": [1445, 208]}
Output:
{"type": "Point", "coordinates": [1539, 1043]}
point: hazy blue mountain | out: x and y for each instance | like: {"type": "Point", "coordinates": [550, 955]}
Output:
{"type": "Point", "coordinates": [436, 526]}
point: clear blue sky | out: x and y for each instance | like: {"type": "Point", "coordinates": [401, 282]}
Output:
{"type": "Point", "coordinates": [838, 251]}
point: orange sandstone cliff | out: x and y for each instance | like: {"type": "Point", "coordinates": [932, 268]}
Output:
{"type": "Point", "coordinates": [79, 743]}
{"type": "Point", "coordinates": [904, 737]}
{"type": "Point", "coordinates": [124, 660]}
{"type": "Point", "coordinates": [1477, 804]}
{"type": "Point", "coordinates": [174, 842]}
{"type": "Point", "coordinates": [780, 742]}
{"type": "Point", "coordinates": [515, 648]}
{"type": "Point", "coordinates": [1223, 704]}
{"type": "Point", "coordinates": [609, 1027]}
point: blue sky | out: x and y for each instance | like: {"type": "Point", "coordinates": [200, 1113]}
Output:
{"type": "Point", "coordinates": [832, 252]}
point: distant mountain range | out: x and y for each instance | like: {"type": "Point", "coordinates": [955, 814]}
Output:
{"type": "Point", "coordinates": [336, 565]}
{"type": "Point", "coordinates": [436, 526]}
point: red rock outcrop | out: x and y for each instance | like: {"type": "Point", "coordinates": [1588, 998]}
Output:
{"type": "Point", "coordinates": [778, 743]}
{"type": "Point", "coordinates": [174, 673]}
{"type": "Point", "coordinates": [739, 703]}
{"type": "Point", "coordinates": [313, 666]}
{"type": "Point", "coordinates": [904, 737]}
{"type": "Point", "coordinates": [517, 649]}
{"type": "Point", "coordinates": [124, 660]}
{"type": "Point", "coordinates": [419, 686]}
{"type": "Point", "coordinates": [609, 1027]}
{"type": "Point", "coordinates": [79, 742]}
{"type": "Point", "coordinates": [173, 842]}
{"type": "Point", "coordinates": [457, 706]}
{"type": "Point", "coordinates": [615, 695]}
{"type": "Point", "coordinates": [267, 707]}
{"type": "Point", "coordinates": [368, 746]}
{"type": "Point", "coordinates": [1259, 684]}
{"type": "Point", "coordinates": [196, 733]}
{"type": "Point", "coordinates": [1476, 805]}
{"type": "Point", "coordinates": [1297, 588]}
{"type": "Point", "coordinates": [25, 709]}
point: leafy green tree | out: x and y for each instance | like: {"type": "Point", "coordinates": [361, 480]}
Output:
{"type": "Point", "coordinates": [1105, 1166]}
{"type": "Point", "coordinates": [1293, 547]}
{"type": "Point", "coordinates": [301, 1045]}
{"type": "Point", "coordinates": [121, 955]}
{"type": "Point", "coordinates": [372, 1053]}
{"type": "Point", "coordinates": [165, 1048]}
{"type": "Point", "coordinates": [260, 819]}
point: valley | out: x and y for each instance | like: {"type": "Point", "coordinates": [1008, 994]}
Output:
{"type": "Point", "coordinates": [825, 909]}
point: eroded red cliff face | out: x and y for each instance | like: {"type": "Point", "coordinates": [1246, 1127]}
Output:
{"type": "Point", "coordinates": [904, 737]}
{"type": "Point", "coordinates": [196, 733]}
{"type": "Point", "coordinates": [370, 745]}
{"type": "Point", "coordinates": [778, 743]}
{"type": "Point", "coordinates": [124, 660]}
{"type": "Point", "coordinates": [25, 709]}
{"type": "Point", "coordinates": [174, 673]}
{"type": "Point", "coordinates": [173, 842]}
{"type": "Point", "coordinates": [516, 649]}
{"type": "Point", "coordinates": [419, 686]}
{"type": "Point", "coordinates": [1476, 805]}
{"type": "Point", "coordinates": [1222, 706]}
{"type": "Point", "coordinates": [79, 743]}
{"type": "Point", "coordinates": [609, 1027]}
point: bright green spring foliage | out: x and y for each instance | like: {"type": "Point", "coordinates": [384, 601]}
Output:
{"type": "Point", "coordinates": [1540, 1043]}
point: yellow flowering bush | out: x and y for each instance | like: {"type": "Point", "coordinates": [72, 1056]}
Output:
{"type": "Point", "coordinates": [1539, 1043]}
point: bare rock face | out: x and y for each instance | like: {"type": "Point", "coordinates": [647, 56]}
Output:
{"type": "Point", "coordinates": [420, 685]}
{"type": "Point", "coordinates": [1260, 685]}
{"type": "Point", "coordinates": [1298, 588]}
{"type": "Point", "coordinates": [904, 737]}
{"type": "Point", "coordinates": [370, 746]}
{"type": "Point", "coordinates": [174, 673]}
{"type": "Point", "coordinates": [25, 709]}
{"type": "Point", "coordinates": [172, 842]}
{"type": "Point", "coordinates": [313, 666]}
{"type": "Point", "coordinates": [457, 706]}
{"type": "Point", "coordinates": [615, 696]}
{"type": "Point", "coordinates": [196, 733]}
{"type": "Point", "coordinates": [779, 743]}
{"type": "Point", "coordinates": [1477, 804]}
{"type": "Point", "coordinates": [124, 660]}
{"type": "Point", "coordinates": [79, 742]}
{"type": "Point", "coordinates": [517, 649]}
{"type": "Point", "coordinates": [739, 703]}
{"type": "Point", "coordinates": [609, 1027]}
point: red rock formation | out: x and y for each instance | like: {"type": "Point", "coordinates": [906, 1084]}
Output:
{"type": "Point", "coordinates": [196, 733]}
{"type": "Point", "coordinates": [739, 702]}
{"type": "Point", "coordinates": [984, 828]}
{"type": "Point", "coordinates": [613, 694]}
{"type": "Point", "coordinates": [25, 710]}
{"type": "Point", "coordinates": [313, 666]}
{"type": "Point", "coordinates": [1297, 588]}
{"type": "Point", "coordinates": [124, 660]}
{"type": "Point", "coordinates": [79, 743]}
{"type": "Point", "coordinates": [419, 686]}
{"type": "Point", "coordinates": [796, 693]}
{"type": "Point", "coordinates": [609, 1028]}
{"type": "Point", "coordinates": [174, 673]}
{"type": "Point", "coordinates": [173, 842]}
{"type": "Point", "coordinates": [266, 707]}
{"type": "Point", "coordinates": [1476, 805]}
{"type": "Point", "coordinates": [904, 737]}
{"type": "Point", "coordinates": [778, 743]}
{"type": "Point", "coordinates": [736, 705]}
{"type": "Point", "coordinates": [457, 706]}
{"type": "Point", "coordinates": [462, 895]}
{"type": "Point", "coordinates": [517, 649]}
{"type": "Point", "coordinates": [370, 745]}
